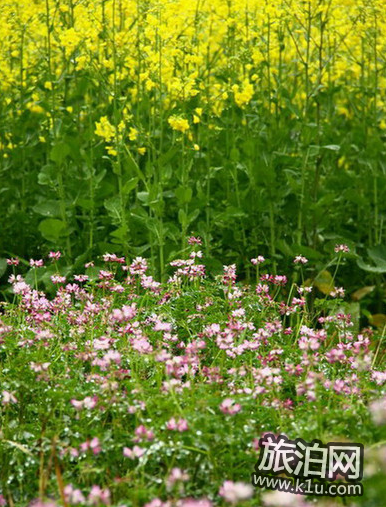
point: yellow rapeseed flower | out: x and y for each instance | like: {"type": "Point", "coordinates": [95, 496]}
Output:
{"type": "Point", "coordinates": [178, 123]}
{"type": "Point", "coordinates": [133, 134]}
{"type": "Point", "coordinates": [104, 129]}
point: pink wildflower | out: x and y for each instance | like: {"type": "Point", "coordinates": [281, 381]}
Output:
{"type": "Point", "coordinates": [36, 263]}
{"type": "Point", "coordinates": [135, 452]}
{"type": "Point", "coordinates": [55, 255]}
{"type": "Point", "coordinates": [341, 248]}
{"type": "Point", "coordinates": [230, 407]}
{"type": "Point", "coordinates": [299, 259]}
{"type": "Point", "coordinates": [177, 425]}
{"type": "Point", "coordinates": [235, 492]}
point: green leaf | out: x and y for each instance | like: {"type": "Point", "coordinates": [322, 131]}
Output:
{"type": "Point", "coordinates": [130, 185]}
{"type": "Point", "coordinates": [113, 206]}
{"type": "Point", "coordinates": [371, 269]}
{"type": "Point", "coordinates": [120, 235]}
{"type": "Point", "coordinates": [332, 147]}
{"type": "Point", "coordinates": [99, 177]}
{"type": "Point", "coordinates": [86, 204]}
{"type": "Point", "coordinates": [192, 216]}
{"type": "Point", "coordinates": [133, 166]}
{"type": "Point", "coordinates": [234, 155]}
{"type": "Point", "coordinates": [3, 266]}
{"type": "Point", "coordinates": [182, 218]}
{"type": "Point", "coordinates": [143, 197]}
{"type": "Point", "coordinates": [47, 175]}
{"type": "Point", "coordinates": [184, 195]}
{"type": "Point", "coordinates": [307, 251]}
{"type": "Point", "coordinates": [378, 255]}
{"type": "Point", "coordinates": [59, 152]}
{"type": "Point", "coordinates": [166, 157]}
{"type": "Point", "coordinates": [48, 208]}
{"type": "Point", "coordinates": [52, 229]}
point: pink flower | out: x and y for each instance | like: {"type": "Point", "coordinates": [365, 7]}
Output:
{"type": "Point", "coordinates": [341, 248]}
{"type": "Point", "coordinates": [95, 445]}
{"type": "Point", "coordinates": [138, 266]}
{"type": "Point", "coordinates": [126, 313]}
{"type": "Point", "coordinates": [78, 405]}
{"type": "Point", "coordinates": [194, 241]}
{"type": "Point", "coordinates": [157, 503]}
{"type": "Point", "coordinates": [81, 278]}
{"type": "Point", "coordinates": [142, 433]}
{"type": "Point", "coordinates": [193, 502]}
{"type": "Point", "coordinates": [229, 276]}
{"type": "Point", "coordinates": [378, 411]}
{"type": "Point", "coordinates": [8, 398]}
{"type": "Point", "coordinates": [113, 258]}
{"type": "Point", "coordinates": [135, 452]}
{"type": "Point", "coordinates": [89, 403]}
{"type": "Point", "coordinates": [36, 263]}
{"type": "Point", "coordinates": [229, 406]}
{"type": "Point", "coordinates": [338, 292]}
{"type": "Point", "coordinates": [283, 499]}
{"type": "Point", "coordinates": [176, 475]}
{"type": "Point", "coordinates": [13, 262]}
{"type": "Point", "coordinates": [235, 492]}
{"type": "Point", "coordinates": [258, 260]}
{"type": "Point", "coordinates": [98, 495]}
{"type": "Point", "coordinates": [58, 279]}
{"type": "Point", "coordinates": [177, 425]}
{"type": "Point", "coordinates": [55, 255]}
{"type": "Point", "coordinates": [299, 259]}
{"type": "Point", "coordinates": [73, 496]}
{"type": "Point", "coordinates": [379, 377]}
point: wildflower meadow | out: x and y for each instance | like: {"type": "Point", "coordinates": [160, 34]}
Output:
{"type": "Point", "coordinates": [193, 253]}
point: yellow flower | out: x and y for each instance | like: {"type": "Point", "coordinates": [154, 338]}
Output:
{"type": "Point", "coordinates": [244, 94]}
{"type": "Point", "coordinates": [48, 85]}
{"type": "Point", "coordinates": [69, 39]}
{"type": "Point", "coordinates": [342, 162]}
{"type": "Point", "coordinates": [133, 134]}
{"type": "Point", "coordinates": [178, 123]}
{"type": "Point", "coordinates": [149, 84]}
{"type": "Point", "coordinates": [196, 147]}
{"type": "Point", "coordinates": [35, 108]}
{"type": "Point", "coordinates": [142, 150]}
{"type": "Point", "coordinates": [104, 129]}
{"type": "Point", "coordinates": [111, 150]}
{"type": "Point", "coordinates": [81, 62]}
